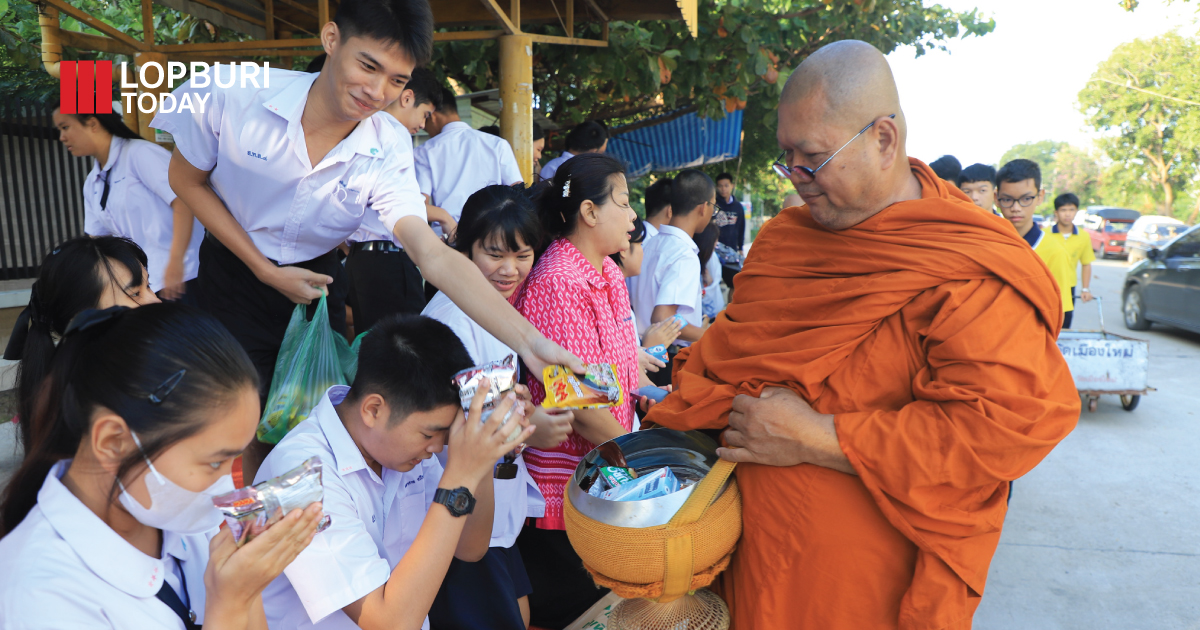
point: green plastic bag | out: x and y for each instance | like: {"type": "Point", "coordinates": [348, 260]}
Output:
{"type": "Point", "coordinates": [313, 358]}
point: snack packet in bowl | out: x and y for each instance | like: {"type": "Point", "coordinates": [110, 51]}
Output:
{"type": "Point", "coordinates": [251, 510]}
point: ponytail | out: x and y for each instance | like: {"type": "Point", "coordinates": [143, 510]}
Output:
{"type": "Point", "coordinates": [73, 278]}
{"type": "Point", "coordinates": [162, 368]}
{"type": "Point", "coordinates": [583, 177]}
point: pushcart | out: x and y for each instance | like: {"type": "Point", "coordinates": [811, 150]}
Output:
{"type": "Point", "coordinates": [1106, 363]}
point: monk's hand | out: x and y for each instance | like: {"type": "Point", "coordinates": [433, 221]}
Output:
{"type": "Point", "coordinates": [779, 428]}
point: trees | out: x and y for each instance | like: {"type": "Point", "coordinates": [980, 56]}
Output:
{"type": "Point", "coordinates": [1145, 99]}
{"type": "Point", "coordinates": [740, 58]}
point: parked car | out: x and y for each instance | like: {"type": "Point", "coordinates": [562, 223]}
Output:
{"type": "Point", "coordinates": [1107, 227]}
{"type": "Point", "coordinates": [1151, 231]}
{"type": "Point", "coordinates": [1164, 287]}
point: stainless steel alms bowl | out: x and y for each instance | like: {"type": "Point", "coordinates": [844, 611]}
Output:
{"type": "Point", "coordinates": [690, 455]}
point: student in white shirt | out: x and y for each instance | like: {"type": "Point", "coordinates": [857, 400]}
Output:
{"type": "Point", "coordinates": [499, 232]}
{"type": "Point", "coordinates": [383, 279]}
{"type": "Point", "coordinates": [588, 136]}
{"type": "Point", "coordinates": [712, 300]}
{"type": "Point", "coordinates": [127, 194]}
{"type": "Point", "coordinates": [380, 563]}
{"type": "Point", "coordinates": [281, 175]}
{"type": "Point", "coordinates": [78, 274]}
{"type": "Point", "coordinates": [670, 283]}
{"type": "Point", "coordinates": [657, 204]}
{"type": "Point", "coordinates": [109, 521]}
{"type": "Point", "coordinates": [459, 160]}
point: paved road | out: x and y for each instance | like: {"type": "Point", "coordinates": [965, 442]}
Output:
{"type": "Point", "coordinates": [1105, 533]}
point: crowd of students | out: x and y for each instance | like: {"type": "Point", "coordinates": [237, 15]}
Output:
{"type": "Point", "coordinates": [1014, 193]}
{"type": "Point", "coordinates": [150, 342]}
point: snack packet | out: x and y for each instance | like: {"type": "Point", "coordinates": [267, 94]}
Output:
{"type": "Point", "coordinates": [656, 484]}
{"type": "Point", "coordinates": [251, 510]}
{"type": "Point", "coordinates": [658, 352]}
{"type": "Point", "coordinates": [598, 387]}
{"type": "Point", "coordinates": [615, 476]}
{"type": "Point", "coordinates": [503, 377]}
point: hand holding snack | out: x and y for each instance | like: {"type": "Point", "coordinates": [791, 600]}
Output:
{"type": "Point", "coordinates": [476, 444]}
{"type": "Point", "coordinates": [648, 362]}
{"type": "Point", "coordinates": [236, 576]}
{"type": "Point", "coordinates": [252, 510]}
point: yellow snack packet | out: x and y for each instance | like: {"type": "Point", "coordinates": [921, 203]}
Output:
{"type": "Point", "coordinates": [598, 387]}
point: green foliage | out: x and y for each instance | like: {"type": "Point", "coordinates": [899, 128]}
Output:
{"type": "Point", "coordinates": [1145, 99]}
{"type": "Point", "coordinates": [741, 57]}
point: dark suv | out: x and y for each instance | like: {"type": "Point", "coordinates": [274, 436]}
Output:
{"type": "Point", "coordinates": [1165, 286]}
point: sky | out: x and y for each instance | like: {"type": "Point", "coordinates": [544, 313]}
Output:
{"type": "Point", "coordinates": [1020, 82]}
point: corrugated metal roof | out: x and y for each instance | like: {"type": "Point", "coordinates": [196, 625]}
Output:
{"type": "Point", "coordinates": [685, 142]}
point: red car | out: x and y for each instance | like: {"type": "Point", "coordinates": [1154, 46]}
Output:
{"type": "Point", "coordinates": [1108, 227]}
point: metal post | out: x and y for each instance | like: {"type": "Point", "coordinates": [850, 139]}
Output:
{"type": "Point", "coordinates": [144, 119]}
{"type": "Point", "coordinates": [516, 99]}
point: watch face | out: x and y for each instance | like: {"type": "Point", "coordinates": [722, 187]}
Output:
{"type": "Point", "coordinates": [461, 500]}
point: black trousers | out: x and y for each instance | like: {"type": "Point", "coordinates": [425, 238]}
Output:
{"type": "Point", "coordinates": [382, 283]}
{"type": "Point", "coordinates": [255, 313]}
{"type": "Point", "coordinates": [482, 594]}
{"type": "Point", "coordinates": [562, 588]}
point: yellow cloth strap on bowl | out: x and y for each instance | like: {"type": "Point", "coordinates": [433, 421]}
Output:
{"type": "Point", "coordinates": [679, 566]}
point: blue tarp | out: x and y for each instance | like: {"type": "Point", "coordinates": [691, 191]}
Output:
{"type": "Point", "coordinates": [684, 142]}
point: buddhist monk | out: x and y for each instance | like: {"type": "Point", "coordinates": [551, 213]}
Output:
{"type": "Point", "coordinates": [880, 385]}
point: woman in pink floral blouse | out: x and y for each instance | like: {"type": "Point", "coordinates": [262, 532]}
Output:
{"type": "Point", "coordinates": [576, 296]}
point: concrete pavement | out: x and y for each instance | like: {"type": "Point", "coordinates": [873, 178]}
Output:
{"type": "Point", "coordinates": [1105, 532]}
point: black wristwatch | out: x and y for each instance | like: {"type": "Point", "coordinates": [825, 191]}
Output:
{"type": "Point", "coordinates": [459, 500]}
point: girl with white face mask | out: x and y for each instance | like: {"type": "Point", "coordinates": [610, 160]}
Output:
{"type": "Point", "coordinates": [109, 522]}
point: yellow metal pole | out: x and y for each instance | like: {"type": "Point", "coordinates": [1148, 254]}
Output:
{"type": "Point", "coordinates": [516, 99]}
{"type": "Point", "coordinates": [152, 75]}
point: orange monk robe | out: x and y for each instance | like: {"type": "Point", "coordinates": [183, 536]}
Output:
{"type": "Point", "coordinates": [929, 331]}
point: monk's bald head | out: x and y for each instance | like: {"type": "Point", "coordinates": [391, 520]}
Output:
{"type": "Point", "coordinates": [850, 79]}
{"type": "Point", "coordinates": [831, 96]}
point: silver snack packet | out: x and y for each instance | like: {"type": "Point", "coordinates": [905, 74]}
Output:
{"type": "Point", "coordinates": [251, 510]}
{"type": "Point", "coordinates": [503, 377]}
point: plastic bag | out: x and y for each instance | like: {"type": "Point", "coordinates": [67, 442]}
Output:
{"type": "Point", "coordinates": [312, 359]}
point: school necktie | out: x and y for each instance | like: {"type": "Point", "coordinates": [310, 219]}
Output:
{"type": "Point", "coordinates": [168, 596]}
{"type": "Point", "coordinates": [104, 195]}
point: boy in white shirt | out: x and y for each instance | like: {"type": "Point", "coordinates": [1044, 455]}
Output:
{"type": "Point", "coordinates": [670, 282]}
{"type": "Point", "coordinates": [383, 279]}
{"type": "Point", "coordinates": [383, 558]}
{"type": "Point", "coordinates": [280, 175]}
{"type": "Point", "coordinates": [588, 136]}
{"type": "Point", "coordinates": [459, 160]}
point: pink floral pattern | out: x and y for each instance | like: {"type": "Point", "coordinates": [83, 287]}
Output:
{"type": "Point", "coordinates": [587, 313]}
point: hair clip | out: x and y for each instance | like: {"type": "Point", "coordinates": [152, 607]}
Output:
{"type": "Point", "coordinates": [168, 386]}
{"type": "Point", "coordinates": [92, 317]}
{"type": "Point", "coordinates": [567, 189]}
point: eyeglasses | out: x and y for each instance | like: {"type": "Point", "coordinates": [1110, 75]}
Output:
{"type": "Point", "coordinates": [783, 170]}
{"type": "Point", "coordinates": [1026, 201]}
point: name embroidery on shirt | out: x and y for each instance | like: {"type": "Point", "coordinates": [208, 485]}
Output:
{"type": "Point", "coordinates": [411, 482]}
{"type": "Point", "coordinates": [257, 155]}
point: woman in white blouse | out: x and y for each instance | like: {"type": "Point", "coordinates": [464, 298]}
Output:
{"type": "Point", "coordinates": [109, 521]}
{"type": "Point", "coordinates": [127, 194]}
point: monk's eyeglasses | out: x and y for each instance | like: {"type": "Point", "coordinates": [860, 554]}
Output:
{"type": "Point", "coordinates": [783, 170]}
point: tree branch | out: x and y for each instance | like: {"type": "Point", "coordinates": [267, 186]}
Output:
{"type": "Point", "coordinates": [1138, 89]}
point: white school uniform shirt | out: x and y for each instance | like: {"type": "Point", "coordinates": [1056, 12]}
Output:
{"type": "Point", "coordinates": [65, 568]}
{"type": "Point", "coordinates": [551, 167]}
{"type": "Point", "coordinates": [713, 300]}
{"type": "Point", "coordinates": [374, 522]}
{"type": "Point", "coordinates": [517, 498]}
{"type": "Point", "coordinates": [459, 161]}
{"type": "Point", "coordinates": [670, 276]}
{"type": "Point", "coordinates": [139, 205]}
{"type": "Point", "coordinates": [251, 140]}
{"type": "Point", "coordinates": [631, 282]}
{"type": "Point", "coordinates": [372, 228]}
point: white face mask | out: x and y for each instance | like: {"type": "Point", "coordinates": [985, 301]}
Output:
{"type": "Point", "coordinates": [172, 508]}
